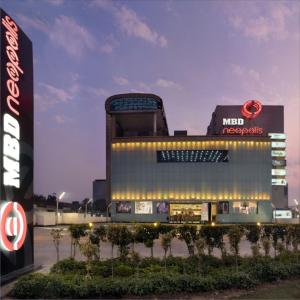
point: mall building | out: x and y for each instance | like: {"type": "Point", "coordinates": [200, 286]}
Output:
{"type": "Point", "coordinates": [234, 174]}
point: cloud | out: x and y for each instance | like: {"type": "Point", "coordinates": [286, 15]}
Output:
{"type": "Point", "coordinates": [131, 23]}
{"type": "Point", "coordinates": [60, 119]}
{"type": "Point", "coordinates": [72, 37]}
{"type": "Point", "coordinates": [237, 70]}
{"type": "Point", "coordinates": [49, 95]}
{"type": "Point", "coordinates": [266, 21]}
{"type": "Point", "coordinates": [55, 2]}
{"type": "Point", "coordinates": [66, 33]}
{"type": "Point", "coordinates": [34, 23]}
{"type": "Point", "coordinates": [167, 83]}
{"type": "Point", "coordinates": [97, 92]}
{"type": "Point", "coordinates": [59, 94]}
{"type": "Point", "coordinates": [120, 80]}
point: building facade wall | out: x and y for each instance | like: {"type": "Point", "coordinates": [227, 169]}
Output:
{"type": "Point", "coordinates": [136, 175]}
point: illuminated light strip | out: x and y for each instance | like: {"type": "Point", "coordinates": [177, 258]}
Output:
{"type": "Point", "coordinates": [205, 196]}
{"type": "Point", "coordinates": [194, 145]}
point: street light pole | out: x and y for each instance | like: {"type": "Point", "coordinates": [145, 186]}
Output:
{"type": "Point", "coordinates": [57, 199]}
{"type": "Point", "coordinates": [85, 212]}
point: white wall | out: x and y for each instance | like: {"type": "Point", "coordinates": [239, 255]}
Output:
{"type": "Point", "coordinates": [46, 218]}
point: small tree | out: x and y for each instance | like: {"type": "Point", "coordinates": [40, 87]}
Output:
{"type": "Point", "coordinates": [76, 232]}
{"type": "Point", "coordinates": [124, 239]}
{"type": "Point", "coordinates": [113, 238]}
{"type": "Point", "coordinates": [200, 246]}
{"type": "Point", "coordinates": [188, 234]}
{"type": "Point", "coordinates": [235, 234]}
{"type": "Point", "coordinates": [266, 244]}
{"type": "Point", "coordinates": [214, 238]}
{"type": "Point", "coordinates": [166, 239]}
{"type": "Point", "coordinates": [295, 232]}
{"type": "Point", "coordinates": [278, 233]}
{"type": "Point", "coordinates": [56, 237]}
{"type": "Point", "coordinates": [89, 251]}
{"type": "Point", "coordinates": [146, 234]}
{"type": "Point", "coordinates": [96, 236]}
{"type": "Point", "coordinates": [253, 233]}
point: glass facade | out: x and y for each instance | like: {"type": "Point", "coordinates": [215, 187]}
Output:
{"type": "Point", "coordinates": [129, 104]}
{"type": "Point", "coordinates": [209, 156]}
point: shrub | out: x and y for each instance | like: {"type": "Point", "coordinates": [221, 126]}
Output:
{"type": "Point", "coordinates": [69, 265]}
{"type": "Point", "coordinates": [123, 270]}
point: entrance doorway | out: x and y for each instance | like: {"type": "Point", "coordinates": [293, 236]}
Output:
{"type": "Point", "coordinates": [185, 212]}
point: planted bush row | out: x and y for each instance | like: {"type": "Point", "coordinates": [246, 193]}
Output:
{"type": "Point", "coordinates": [77, 286]}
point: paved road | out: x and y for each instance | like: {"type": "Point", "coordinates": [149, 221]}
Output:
{"type": "Point", "coordinates": [45, 254]}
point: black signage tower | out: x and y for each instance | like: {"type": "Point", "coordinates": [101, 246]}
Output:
{"type": "Point", "coordinates": [16, 150]}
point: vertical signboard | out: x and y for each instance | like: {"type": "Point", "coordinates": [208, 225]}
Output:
{"type": "Point", "coordinates": [16, 151]}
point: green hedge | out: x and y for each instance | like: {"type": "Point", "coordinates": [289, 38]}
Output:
{"type": "Point", "coordinates": [251, 272]}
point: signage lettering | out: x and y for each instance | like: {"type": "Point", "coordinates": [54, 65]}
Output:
{"type": "Point", "coordinates": [233, 121]}
{"type": "Point", "coordinates": [243, 131]}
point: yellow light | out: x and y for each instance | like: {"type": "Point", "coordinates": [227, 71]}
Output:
{"type": "Point", "coordinates": [213, 223]}
{"type": "Point", "coordinates": [258, 223]}
{"type": "Point", "coordinates": [90, 225]}
{"type": "Point", "coordinates": [155, 224]}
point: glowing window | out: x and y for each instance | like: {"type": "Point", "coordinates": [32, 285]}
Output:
{"type": "Point", "coordinates": [210, 156]}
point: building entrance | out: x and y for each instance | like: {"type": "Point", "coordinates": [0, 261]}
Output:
{"type": "Point", "coordinates": [185, 212]}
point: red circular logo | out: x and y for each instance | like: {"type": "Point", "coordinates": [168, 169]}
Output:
{"type": "Point", "coordinates": [13, 226]}
{"type": "Point", "coordinates": [251, 109]}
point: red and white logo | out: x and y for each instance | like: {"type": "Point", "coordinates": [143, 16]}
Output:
{"type": "Point", "coordinates": [251, 109]}
{"type": "Point", "coordinates": [13, 226]}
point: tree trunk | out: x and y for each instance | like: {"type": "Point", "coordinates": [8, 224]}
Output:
{"type": "Point", "coordinates": [151, 251]}
{"type": "Point", "coordinates": [71, 247]}
{"type": "Point", "coordinates": [57, 253]}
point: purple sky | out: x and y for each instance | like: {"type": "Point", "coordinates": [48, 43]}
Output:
{"type": "Point", "coordinates": [194, 54]}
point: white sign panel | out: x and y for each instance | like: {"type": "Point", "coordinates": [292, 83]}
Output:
{"type": "Point", "coordinates": [143, 207]}
{"type": "Point", "coordinates": [278, 145]}
{"type": "Point", "coordinates": [278, 153]}
{"type": "Point", "coordinates": [278, 181]}
{"type": "Point", "coordinates": [282, 214]}
{"type": "Point", "coordinates": [204, 212]}
{"type": "Point", "coordinates": [278, 172]}
{"type": "Point", "coordinates": [278, 163]}
{"type": "Point", "coordinates": [277, 136]}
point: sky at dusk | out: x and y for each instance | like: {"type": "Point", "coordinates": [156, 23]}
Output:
{"type": "Point", "coordinates": [193, 54]}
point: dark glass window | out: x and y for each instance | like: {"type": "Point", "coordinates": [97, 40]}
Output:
{"type": "Point", "coordinates": [212, 156]}
{"type": "Point", "coordinates": [127, 104]}
{"type": "Point", "coordinates": [223, 207]}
